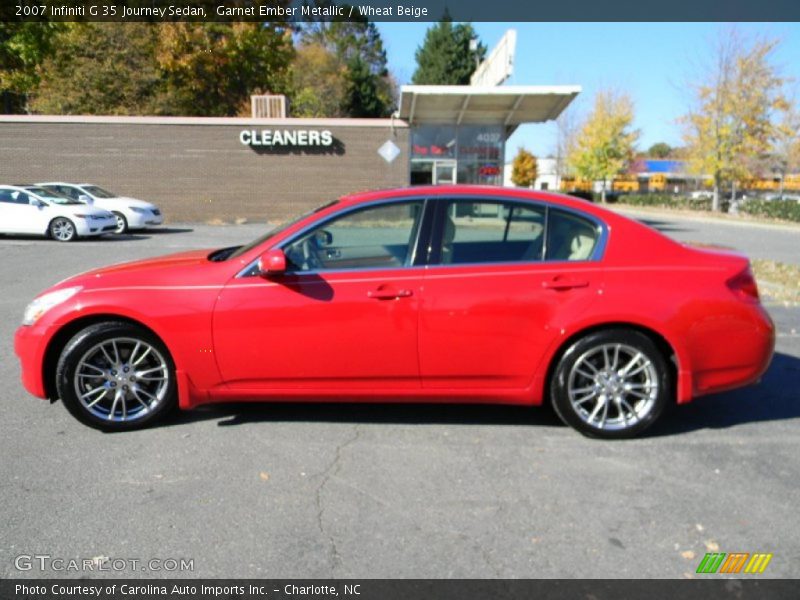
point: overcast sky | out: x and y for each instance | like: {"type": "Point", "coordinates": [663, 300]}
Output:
{"type": "Point", "coordinates": [651, 61]}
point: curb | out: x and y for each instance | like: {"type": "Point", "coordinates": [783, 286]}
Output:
{"type": "Point", "coordinates": [703, 218]}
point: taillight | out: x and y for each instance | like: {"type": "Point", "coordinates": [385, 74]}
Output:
{"type": "Point", "coordinates": [744, 285]}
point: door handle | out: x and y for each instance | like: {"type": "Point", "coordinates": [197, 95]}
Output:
{"type": "Point", "coordinates": [564, 283]}
{"type": "Point", "coordinates": [383, 293]}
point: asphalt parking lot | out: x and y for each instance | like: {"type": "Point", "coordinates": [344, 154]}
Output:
{"type": "Point", "coordinates": [308, 491]}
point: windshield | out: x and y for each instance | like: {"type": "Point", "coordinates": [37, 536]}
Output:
{"type": "Point", "coordinates": [273, 232]}
{"type": "Point", "coordinates": [98, 192]}
{"type": "Point", "coordinates": [50, 196]}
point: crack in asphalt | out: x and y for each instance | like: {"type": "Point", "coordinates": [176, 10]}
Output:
{"type": "Point", "coordinates": [332, 470]}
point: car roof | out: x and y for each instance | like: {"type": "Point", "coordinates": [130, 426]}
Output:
{"type": "Point", "coordinates": [20, 188]}
{"type": "Point", "coordinates": [436, 192]}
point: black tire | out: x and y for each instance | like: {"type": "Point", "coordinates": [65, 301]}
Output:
{"type": "Point", "coordinates": [609, 395]}
{"type": "Point", "coordinates": [108, 414]}
{"type": "Point", "coordinates": [122, 223]}
{"type": "Point", "coordinates": [62, 229]}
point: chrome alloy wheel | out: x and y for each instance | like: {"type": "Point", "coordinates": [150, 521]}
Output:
{"type": "Point", "coordinates": [121, 379]}
{"type": "Point", "coordinates": [122, 224]}
{"type": "Point", "coordinates": [63, 230]}
{"type": "Point", "coordinates": [612, 386]}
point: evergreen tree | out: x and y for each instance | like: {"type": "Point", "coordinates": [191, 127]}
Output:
{"type": "Point", "coordinates": [363, 97]}
{"type": "Point", "coordinates": [445, 57]}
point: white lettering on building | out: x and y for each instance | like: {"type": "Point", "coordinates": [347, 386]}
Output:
{"type": "Point", "coordinates": [286, 137]}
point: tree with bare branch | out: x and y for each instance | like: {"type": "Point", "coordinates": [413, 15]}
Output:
{"type": "Point", "coordinates": [731, 123]}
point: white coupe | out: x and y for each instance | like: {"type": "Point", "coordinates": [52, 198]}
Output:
{"type": "Point", "coordinates": [130, 212]}
{"type": "Point", "coordinates": [32, 210]}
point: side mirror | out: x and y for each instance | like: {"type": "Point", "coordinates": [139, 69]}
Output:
{"type": "Point", "coordinates": [38, 203]}
{"type": "Point", "coordinates": [86, 199]}
{"type": "Point", "coordinates": [272, 262]}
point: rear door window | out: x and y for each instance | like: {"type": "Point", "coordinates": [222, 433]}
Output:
{"type": "Point", "coordinates": [570, 237]}
{"type": "Point", "coordinates": [492, 231]}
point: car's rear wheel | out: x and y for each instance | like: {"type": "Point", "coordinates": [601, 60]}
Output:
{"type": "Point", "coordinates": [611, 384]}
{"type": "Point", "coordinates": [62, 230]}
{"type": "Point", "coordinates": [116, 376]}
{"type": "Point", "coordinates": [122, 223]}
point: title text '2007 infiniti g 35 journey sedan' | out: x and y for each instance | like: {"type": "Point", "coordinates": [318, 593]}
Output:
{"type": "Point", "coordinates": [442, 294]}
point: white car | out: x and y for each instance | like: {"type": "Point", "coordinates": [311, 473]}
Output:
{"type": "Point", "coordinates": [31, 210]}
{"type": "Point", "coordinates": [786, 196]}
{"type": "Point", "coordinates": [130, 212]}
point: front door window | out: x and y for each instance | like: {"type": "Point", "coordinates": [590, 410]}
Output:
{"type": "Point", "coordinates": [374, 237]}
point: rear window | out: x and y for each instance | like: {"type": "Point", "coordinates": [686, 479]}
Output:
{"type": "Point", "coordinates": [569, 236]}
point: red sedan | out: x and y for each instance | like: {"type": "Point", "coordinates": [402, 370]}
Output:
{"type": "Point", "coordinates": [446, 294]}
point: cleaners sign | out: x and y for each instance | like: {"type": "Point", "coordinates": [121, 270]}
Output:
{"type": "Point", "coordinates": [288, 138]}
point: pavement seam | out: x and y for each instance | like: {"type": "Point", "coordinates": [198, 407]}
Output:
{"type": "Point", "coordinates": [332, 470]}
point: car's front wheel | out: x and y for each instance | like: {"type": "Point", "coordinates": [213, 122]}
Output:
{"type": "Point", "coordinates": [611, 384]}
{"type": "Point", "coordinates": [62, 229]}
{"type": "Point", "coordinates": [116, 376]}
{"type": "Point", "coordinates": [122, 223]}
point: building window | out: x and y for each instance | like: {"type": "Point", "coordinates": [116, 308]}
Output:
{"type": "Point", "coordinates": [471, 154]}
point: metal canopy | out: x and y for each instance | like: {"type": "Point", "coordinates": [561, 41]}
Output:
{"type": "Point", "coordinates": [469, 105]}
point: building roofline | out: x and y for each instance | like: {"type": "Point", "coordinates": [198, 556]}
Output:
{"type": "Point", "coordinates": [236, 121]}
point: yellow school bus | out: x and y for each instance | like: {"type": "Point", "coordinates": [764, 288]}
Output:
{"type": "Point", "coordinates": [625, 183]}
{"type": "Point", "coordinates": [575, 184]}
{"type": "Point", "coordinates": [657, 182]}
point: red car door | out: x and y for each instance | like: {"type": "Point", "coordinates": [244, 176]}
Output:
{"type": "Point", "coordinates": [508, 275]}
{"type": "Point", "coordinates": [344, 316]}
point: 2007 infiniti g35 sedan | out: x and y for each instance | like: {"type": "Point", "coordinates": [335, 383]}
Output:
{"type": "Point", "coordinates": [441, 294]}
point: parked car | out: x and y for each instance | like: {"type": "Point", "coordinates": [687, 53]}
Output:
{"type": "Point", "coordinates": [441, 294]}
{"type": "Point", "coordinates": [130, 213]}
{"type": "Point", "coordinates": [32, 210]}
{"type": "Point", "coordinates": [785, 196]}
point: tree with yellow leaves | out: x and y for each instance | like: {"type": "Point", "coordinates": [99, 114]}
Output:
{"type": "Point", "coordinates": [785, 155]}
{"type": "Point", "coordinates": [730, 126]}
{"type": "Point", "coordinates": [524, 169]}
{"type": "Point", "coordinates": [605, 145]}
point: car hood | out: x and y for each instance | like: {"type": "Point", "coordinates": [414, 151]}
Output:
{"type": "Point", "coordinates": [183, 268]}
{"type": "Point", "coordinates": [132, 202]}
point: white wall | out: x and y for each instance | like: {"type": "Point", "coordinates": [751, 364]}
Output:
{"type": "Point", "coordinates": [546, 177]}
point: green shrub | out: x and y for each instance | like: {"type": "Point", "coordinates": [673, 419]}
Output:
{"type": "Point", "coordinates": [786, 210]}
{"type": "Point", "coordinates": [666, 201]}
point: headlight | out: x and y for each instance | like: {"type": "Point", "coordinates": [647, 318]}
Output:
{"type": "Point", "coordinates": [45, 302]}
{"type": "Point", "coordinates": [141, 211]}
{"type": "Point", "coordinates": [81, 216]}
